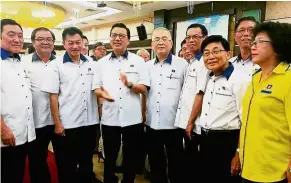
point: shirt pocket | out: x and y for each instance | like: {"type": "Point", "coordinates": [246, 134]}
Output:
{"type": "Point", "coordinates": [131, 74]}
{"type": "Point", "coordinates": [27, 77]}
{"type": "Point", "coordinates": [172, 82]}
{"type": "Point", "coordinates": [191, 79]}
{"type": "Point", "coordinates": [223, 97]}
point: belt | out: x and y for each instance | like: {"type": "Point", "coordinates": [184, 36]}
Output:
{"type": "Point", "coordinates": [210, 131]}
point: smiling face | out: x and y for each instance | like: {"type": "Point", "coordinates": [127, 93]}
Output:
{"type": "Point", "coordinates": [73, 45]}
{"type": "Point", "coordinates": [119, 40]}
{"type": "Point", "coordinates": [85, 48]}
{"type": "Point", "coordinates": [161, 42]}
{"type": "Point", "coordinates": [215, 57]}
{"type": "Point", "coordinates": [43, 42]}
{"type": "Point", "coordinates": [12, 38]}
{"type": "Point", "coordinates": [244, 34]}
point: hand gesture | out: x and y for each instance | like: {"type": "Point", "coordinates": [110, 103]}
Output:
{"type": "Point", "coordinates": [106, 95]}
{"type": "Point", "coordinates": [123, 78]}
{"type": "Point", "coordinates": [7, 137]}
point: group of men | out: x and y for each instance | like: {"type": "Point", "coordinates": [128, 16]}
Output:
{"type": "Point", "coordinates": [190, 110]}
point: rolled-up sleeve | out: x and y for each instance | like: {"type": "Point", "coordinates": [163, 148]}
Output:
{"type": "Point", "coordinates": [51, 83]}
{"type": "Point", "coordinates": [97, 79]}
{"type": "Point", "coordinates": [143, 74]}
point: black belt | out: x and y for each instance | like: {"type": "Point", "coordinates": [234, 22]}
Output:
{"type": "Point", "coordinates": [209, 131]}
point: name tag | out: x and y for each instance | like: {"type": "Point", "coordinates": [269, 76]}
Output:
{"type": "Point", "coordinates": [266, 91]}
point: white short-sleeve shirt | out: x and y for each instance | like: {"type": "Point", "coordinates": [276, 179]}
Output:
{"type": "Point", "coordinates": [126, 108]}
{"type": "Point", "coordinates": [195, 82]}
{"type": "Point", "coordinates": [37, 72]}
{"type": "Point", "coordinates": [16, 99]}
{"type": "Point", "coordinates": [221, 108]}
{"type": "Point", "coordinates": [167, 80]}
{"type": "Point", "coordinates": [73, 83]}
{"type": "Point", "coordinates": [247, 67]}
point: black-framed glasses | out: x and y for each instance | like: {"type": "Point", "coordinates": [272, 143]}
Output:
{"type": "Point", "coordinates": [42, 39]}
{"type": "Point", "coordinates": [260, 41]}
{"type": "Point", "coordinates": [196, 37]}
{"type": "Point", "coordinates": [213, 52]}
{"type": "Point", "coordinates": [120, 35]}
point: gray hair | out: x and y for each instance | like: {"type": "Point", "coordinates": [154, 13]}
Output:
{"type": "Point", "coordinates": [142, 50]}
{"type": "Point", "coordinates": [162, 28]}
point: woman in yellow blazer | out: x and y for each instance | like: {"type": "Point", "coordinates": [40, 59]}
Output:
{"type": "Point", "coordinates": [265, 137]}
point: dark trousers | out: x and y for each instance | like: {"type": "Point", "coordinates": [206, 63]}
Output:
{"type": "Point", "coordinates": [131, 136]}
{"type": "Point", "coordinates": [37, 155]}
{"type": "Point", "coordinates": [191, 154]}
{"type": "Point", "coordinates": [172, 141]}
{"type": "Point", "coordinates": [76, 147]}
{"type": "Point", "coordinates": [248, 181]}
{"type": "Point", "coordinates": [13, 163]}
{"type": "Point", "coordinates": [217, 149]}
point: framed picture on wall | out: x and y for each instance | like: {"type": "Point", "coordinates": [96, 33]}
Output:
{"type": "Point", "coordinates": [215, 24]}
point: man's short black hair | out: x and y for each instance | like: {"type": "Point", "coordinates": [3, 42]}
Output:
{"type": "Point", "coordinates": [85, 37]}
{"type": "Point", "coordinates": [41, 29]}
{"type": "Point", "coordinates": [98, 44]}
{"type": "Point", "coordinates": [71, 31]}
{"type": "Point", "coordinates": [183, 42]}
{"type": "Point", "coordinates": [30, 49]}
{"type": "Point", "coordinates": [215, 39]}
{"type": "Point", "coordinates": [203, 29]}
{"type": "Point", "coordinates": [9, 22]}
{"type": "Point", "coordinates": [280, 35]}
{"type": "Point", "coordinates": [248, 18]}
{"type": "Point", "coordinates": [121, 25]}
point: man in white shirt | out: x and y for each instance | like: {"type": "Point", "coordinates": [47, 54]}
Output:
{"type": "Point", "coordinates": [193, 90]}
{"type": "Point", "coordinates": [167, 74]}
{"type": "Point", "coordinates": [243, 37]}
{"type": "Point", "coordinates": [74, 109]}
{"type": "Point", "coordinates": [221, 112]}
{"type": "Point", "coordinates": [36, 65]}
{"type": "Point", "coordinates": [121, 78]}
{"type": "Point", "coordinates": [17, 126]}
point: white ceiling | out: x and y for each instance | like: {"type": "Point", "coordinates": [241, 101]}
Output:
{"type": "Point", "coordinates": [147, 9]}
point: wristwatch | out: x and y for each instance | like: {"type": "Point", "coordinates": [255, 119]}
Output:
{"type": "Point", "coordinates": [130, 85]}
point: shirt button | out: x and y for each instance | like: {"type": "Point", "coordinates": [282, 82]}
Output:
{"type": "Point", "coordinates": [81, 74]}
{"type": "Point", "coordinates": [160, 74]}
{"type": "Point", "coordinates": [25, 96]}
{"type": "Point", "coordinates": [158, 102]}
{"type": "Point", "coordinates": [179, 108]}
{"type": "Point", "coordinates": [120, 88]}
{"type": "Point", "coordinates": [209, 103]}
{"type": "Point", "coordinates": [205, 114]}
{"type": "Point", "coordinates": [18, 74]}
{"type": "Point", "coordinates": [159, 83]}
{"type": "Point", "coordinates": [83, 92]}
{"type": "Point", "coordinates": [28, 108]}
{"type": "Point", "coordinates": [120, 107]}
{"type": "Point", "coordinates": [120, 97]}
{"type": "Point", "coordinates": [158, 92]}
{"type": "Point", "coordinates": [79, 66]}
{"type": "Point", "coordinates": [157, 111]}
{"type": "Point", "coordinates": [84, 100]}
{"type": "Point", "coordinates": [211, 92]}
{"type": "Point", "coordinates": [22, 85]}
{"type": "Point", "coordinates": [82, 83]}
{"type": "Point", "coordinates": [85, 109]}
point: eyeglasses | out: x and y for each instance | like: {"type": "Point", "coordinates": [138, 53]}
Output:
{"type": "Point", "coordinates": [163, 39]}
{"type": "Point", "coordinates": [196, 37]}
{"type": "Point", "coordinates": [100, 49]}
{"type": "Point", "coordinates": [41, 39]}
{"type": "Point", "coordinates": [243, 30]}
{"type": "Point", "coordinates": [114, 36]}
{"type": "Point", "coordinates": [215, 53]}
{"type": "Point", "coordinates": [260, 41]}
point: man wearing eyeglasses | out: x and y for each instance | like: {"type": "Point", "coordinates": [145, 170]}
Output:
{"type": "Point", "coordinates": [122, 76]}
{"type": "Point", "coordinates": [99, 50]}
{"type": "Point", "coordinates": [167, 74]}
{"type": "Point", "coordinates": [191, 97]}
{"type": "Point", "coordinates": [243, 37]}
{"type": "Point", "coordinates": [73, 108]}
{"type": "Point", "coordinates": [220, 119]}
{"type": "Point", "coordinates": [37, 66]}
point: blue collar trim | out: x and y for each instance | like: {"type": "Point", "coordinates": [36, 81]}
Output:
{"type": "Point", "coordinates": [67, 58]}
{"type": "Point", "coordinates": [168, 60]}
{"type": "Point", "coordinates": [227, 72]}
{"type": "Point", "coordinates": [5, 54]}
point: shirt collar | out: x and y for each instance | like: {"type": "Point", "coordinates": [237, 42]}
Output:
{"type": "Point", "coordinates": [281, 68]}
{"type": "Point", "coordinates": [67, 58]}
{"type": "Point", "coordinates": [5, 54]}
{"type": "Point", "coordinates": [125, 55]}
{"type": "Point", "coordinates": [239, 57]}
{"type": "Point", "coordinates": [168, 60]}
{"type": "Point", "coordinates": [227, 72]}
{"type": "Point", "coordinates": [35, 57]}
{"type": "Point", "coordinates": [198, 56]}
